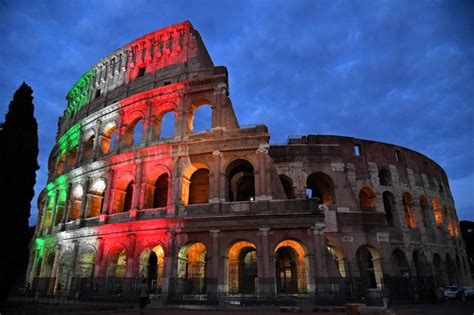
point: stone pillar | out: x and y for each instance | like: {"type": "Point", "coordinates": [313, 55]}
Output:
{"type": "Point", "coordinates": [55, 209]}
{"type": "Point", "coordinates": [262, 185]}
{"type": "Point", "coordinates": [97, 140]}
{"type": "Point", "coordinates": [137, 187]}
{"type": "Point", "coordinates": [66, 204]}
{"type": "Point", "coordinates": [266, 280]}
{"type": "Point", "coordinates": [84, 198]}
{"type": "Point", "coordinates": [215, 180]}
{"type": "Point", "coordinates": [320, 251]}
{"type": "Point", "coordinates": [168, 287]}
{"type": "Point", "coordinates": [213, 275]}
{"type": "Point", "coordinates": [75, 251]}
{"type": "Point", "coordinates": [220, 92]}
{"type": "Point", "coordinates": [80, 148]}
{"type": "Point", "coordinates": [55, 269]}
{"type": "Point", "coordinates": [108, 192]}
{"type": "Point", "coordinates": [131, 259]}
{"type": "Point", "coordinates": [99, 258]}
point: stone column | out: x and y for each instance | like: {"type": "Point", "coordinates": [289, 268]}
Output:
{"type": "Point", "coordinates": [55, 269]}
{"type": "Point", "coordinates": [168, 288]}
{"type": "Point", "coordinates": [99, 258]}
{"type": "Point", "coordinates": [55, 209]}
{"type": "Point", "coordinates": [137, 187]}
{"type": "Point", "coordinates": [75, 251]}
{"type": "Point", "coordinates": [212, 278]}
{"type": "Point", "coordinates": [66, 204]}
{"type": "Point", "coordinates": [261, 184]}
{"type": "Point", "coordinates": [80, 147]}
{"type": "Point", "coordinates": [266, 280]}
{"type": "Point", "coordinates": [320, 251]}
{"type": "Point", "coordinates": [97, 140]}
{"type": "Point", "coordinates": [220, 92]}
{"type": "Point", "coordinates": [215, 181]}
{"type": "Point", "coordinates": [85, 194]}
{"type": "Point", "coordinates": [131, 259]}
{"type": "Point", "coordinates": [108, 192]}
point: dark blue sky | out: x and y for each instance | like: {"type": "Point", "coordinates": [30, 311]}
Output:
{"type": "Point", "coordinates": [395, 71]}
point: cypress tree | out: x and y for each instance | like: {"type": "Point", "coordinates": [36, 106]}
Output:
{"type": "Point", "coordinates": [18, 166]}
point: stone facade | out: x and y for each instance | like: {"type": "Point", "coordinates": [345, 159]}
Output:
{"type": "Point", "coordinates": [221, 212]}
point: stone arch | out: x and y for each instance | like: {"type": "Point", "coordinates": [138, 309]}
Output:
{"type": "Point", "coordinates": [75, 203]}
{"type": "Point", "coordinates": [389, 206]}
{"type": "Point", "coordinates": [439, 271]}
{"type": "Point", "coordinates": [116, 261]}
{"type": "Point", "coordinates": [88, 146]}
{"type": "Point", "coordinates": [123, 192]}
{"type": "Point", "coordinates": [192, 267]}
{"type": "Point", "coordinates": [287, 184]}
{"type": "Point", "coordinates": [160, 192]}
{"type": "Point", "coordinates": [338, 260]}
{"type": "Point", "coordinates": [134, 130]}
{"type": "Point", "coordinates": [240, 177]}
{"type": "Point", "coordinates": [195, 184]}
{"type": "Point", "coordinates": [385, 177]}
{"type": "Point", "coordinates": [438, 215]}
{"type": "Point", "coordinates": [151, 267]}
{"type": "Point", "coordinates": [425, 208]}
{"type": "Point", "coordinates": [108, 137]}
{"type": "Point", "coordinates": [291, 267]}
{"type": "Point", "coordinates": [370, 266]}
{"type": "Point", "coordinates": [242, 268]}
{"type": "Point", "coordinates": [86, 262]}
{"type": "Point", "coordinates": [401, 263]}
{"type": "Point", "coordinates": [192, 122]}
{"type": "Point", "coordinates": [65, 271]}
{"type": "Point", "coordinates": [367, 200]}
{"type": "Point", "coordinates": [95, 197]}
{"type": "Point", "coordinates": [421, 264]}
{"type": "Point", "coordinates": [321, 186]}
{"type": "Point", "coordinates": [408, 211]}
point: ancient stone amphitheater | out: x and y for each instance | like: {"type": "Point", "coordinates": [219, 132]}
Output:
{"type": "Point", "coordinates": [217, 213]}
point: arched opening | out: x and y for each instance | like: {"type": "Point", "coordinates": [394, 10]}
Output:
{"type": "Point", "coordinates": [439, 271]}
{"type": "Point", "coordinates": [152, 267]}
{"type": "Point", "coordinates": [127, 203]}
{"type": "Point", "coordinates": [437, 212]}
{"type": "Point", "coordinates": [321, 187]}
{"type": "Point", "coordinates": [370, 267]}
{"type": "Point", "coordinates": [165, 126]}
{"type": "Point", "coordinates": [199, 187]}
{"type": "Point", "coordinates": [408, 211]}
{"type": "Point", "coordinates": [452, 271]}
{"type": "Point", "coordinates": [109, 138]}
{"type": "Point", "coordinates": [137, 131]}
{"type": "Point", "coordinates": [389, 206]}
{"type": "Point", "coordinates": [401, 263]}
{"type": "Point", "coordinates": [287, 184]}
{"type": "Point", "coordinates": [61, 164]}
{"type": "Point", "coordinates": [62, 195]}
{"type": "Point", "coordinates": [86, 264]}
{"type": "Point", "coordinates": [72, 158]}
{"type": "Point", "coordinates": [88, 148]}
{"type": "Point", "coordinates": [424, 206]}
{"type": "Point", "coordinates": [421, 264]}
{"type": "Point", "coordinates": [290, 268]}
{"type": "Point", "coordinates": [117, 265]}
{"type": "Point", "coordinates": [133, 133]}
{"type": "Point", "coordinates": [242, 268]}
{"type": "Point", "coordinates": [65, 270]}
{"type": "Point", "coordinates": [160, 193]}
{"type": "Point", "coordinates": [240, 181]}
{"type": "Point", "coordinates": [195, 184]}
{"type": "Point", "coordinates": [75, 203]}
{"type": "Point", "coordinates": [201, 118]}
{"type": "Point", "coordinates": [192, 260]}
{"type": "Point", "coordinates": [367, 199]}
{"type": "Point", "coordinates": [385, 178]}
{"type": "Point", "coordinates": [338, 261]}
{"type": "Point", "coordinates": [96, 199]}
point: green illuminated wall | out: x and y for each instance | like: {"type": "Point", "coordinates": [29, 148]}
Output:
{"type": "Point", "coordinates": [80, 93]}
{"type": "Point", "coordinates": [69, 140]}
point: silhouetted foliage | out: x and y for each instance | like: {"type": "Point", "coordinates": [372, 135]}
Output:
{"type": "Point", "coordinates": [18, 166]}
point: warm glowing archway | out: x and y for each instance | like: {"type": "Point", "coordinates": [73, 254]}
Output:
{"type": "Point", "coordinates": [242, 268]}
{"type": "Point", "coordinates": [291, 267]}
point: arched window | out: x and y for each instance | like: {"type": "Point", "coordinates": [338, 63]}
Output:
{"type": "Point", "coordinates": [166, 126]}
{"type": "Point", "coordinates": [370, 267]}
{"type": "Point", "coordinates": [96, 199]}
{"type": "Point", "coordinates": [86, 264]}
{"type": "Point", "coordinates": [240, 181]}
{"type": "Point", "coordinates": [437, 212]}
{"type": "Point", "coordinates": [160, 193]}
{"type": "Point", "coordinates": [152, 267]}
{"type": "Point", "coordinates": [290, 267]}
{"type": "Point", "coordinates": [192, 260]}
{"type": "Point", "coordinates": [72, 157]}
{"type": "Point", "coordinates": [202, 118]}
{"type": "Point", "coordinates": [75, 203]}
{"type": "Point", "coordinates": [425, 207]}
{"type": "Point", "coordinates": [338, 260]}
{"type": "Point", "coordinates": [321, 186]}
{"type": "Point", "coordinates": [287, 186]}
{"type": "Point", "coordinates": [242, 268]}
{"type": "Point", "coordinates": [109, 138]}
{"type": "Point", "coordinates": [408, 211]}
{"type": "Point", "coordinates": [133, 134]}
{"type": "Point", "coordinates": [401, 263]}
{"type": "Point", "coordinates": [199, 187]}
{"type": "Point", "coordinates": [367, 199]}
{"type": "Point", "coordinates": [137, 132]}
{"type": "Point", "coordinates": [88, 148]}
{"type": "Point", "coordinates": [61, 164]}
{"type": "Point", "coordinates": [439, 271]}
{"type": "Point", "coordinates": [385, 178]}
{"type": "Point", "coordinates": [127, 204]}
{"type": "Point", "coordinates": [421, 264]}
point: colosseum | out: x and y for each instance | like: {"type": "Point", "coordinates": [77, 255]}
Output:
{"type": "Point", "coordinates": [136, 191]}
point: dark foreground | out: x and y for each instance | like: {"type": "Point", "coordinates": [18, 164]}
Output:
{"type": "Point", "coordinates": [449, 307]}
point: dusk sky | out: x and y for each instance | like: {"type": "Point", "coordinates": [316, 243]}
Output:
{"type": "Point", "coordinates": [400, 72]}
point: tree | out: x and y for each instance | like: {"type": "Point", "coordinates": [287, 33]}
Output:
{"type": "Point", "coordinates": [18, 166]}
